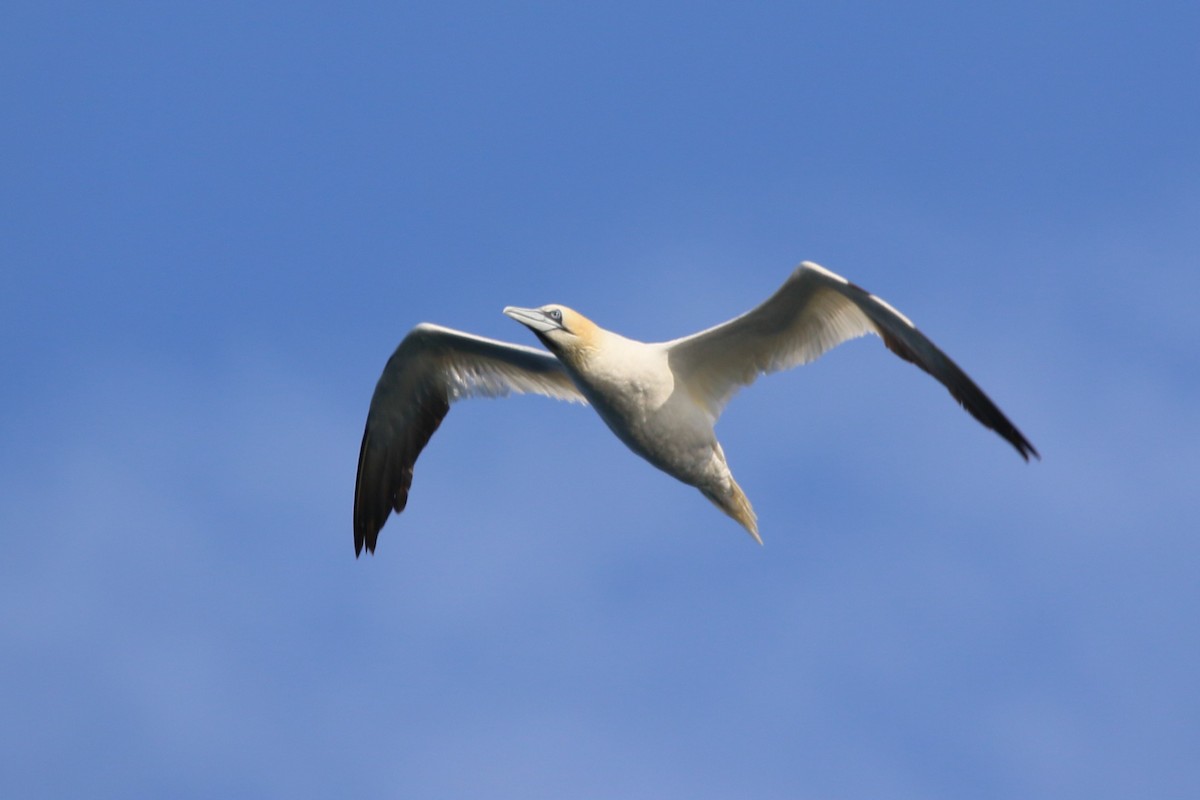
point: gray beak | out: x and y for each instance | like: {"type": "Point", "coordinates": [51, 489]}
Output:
{"type": "Point", "coordinates": [533, 318]}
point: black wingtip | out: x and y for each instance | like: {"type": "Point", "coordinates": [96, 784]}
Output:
{"type": "Point", "coordinates": [986, 412]}
{"type": "Point", "coordinates": [1026, 449]}
{"type": "Point", "coordinates": [991, 416]}
{"type": "Point", "coordinates": [366, 534]}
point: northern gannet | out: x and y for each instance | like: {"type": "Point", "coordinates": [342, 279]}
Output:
{"type": "Point", "coordinates": [661, 399]}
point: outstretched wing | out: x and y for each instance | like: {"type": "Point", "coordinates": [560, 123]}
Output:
{"type": "Point", "coordinates": [812, 312]}
{"type": "Point", "coordinates": [431, 368]}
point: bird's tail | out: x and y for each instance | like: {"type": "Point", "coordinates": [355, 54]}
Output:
{"type": "Point", "coordinates": [733, 502]}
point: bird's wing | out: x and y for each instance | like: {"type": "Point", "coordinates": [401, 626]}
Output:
{"type": "Point", "coordinates": [812, 312]}
{"type": "Point", "coordinates": [432, 367]}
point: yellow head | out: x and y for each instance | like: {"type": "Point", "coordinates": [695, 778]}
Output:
{"type": "Point", "coordinates": [566, 332]}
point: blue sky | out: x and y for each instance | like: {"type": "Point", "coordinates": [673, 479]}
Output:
{"type": "Point", "coordinates": [218, 219]}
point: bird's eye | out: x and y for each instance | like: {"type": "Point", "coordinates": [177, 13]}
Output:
{"type": "Point", "coordinates": [556, 315]}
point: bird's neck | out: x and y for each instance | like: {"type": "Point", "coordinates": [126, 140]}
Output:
{"type": "Point", "coordinates": [583, 352]}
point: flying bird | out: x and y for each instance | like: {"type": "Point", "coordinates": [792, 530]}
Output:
{"type": "Point", "coordinates": [661, 399]}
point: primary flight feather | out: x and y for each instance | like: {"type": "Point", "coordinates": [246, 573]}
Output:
{"type": "Point", "coordinates": [661, 399]}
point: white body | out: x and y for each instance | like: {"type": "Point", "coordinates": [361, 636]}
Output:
{"type": "Point", "coordinates": [634, 390]}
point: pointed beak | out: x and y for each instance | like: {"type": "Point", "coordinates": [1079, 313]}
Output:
{"type": "Point", "coordinates": [533, 318]}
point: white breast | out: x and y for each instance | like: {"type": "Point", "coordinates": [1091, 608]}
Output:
{"type": "Point", "coordinates": [632, 387]}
